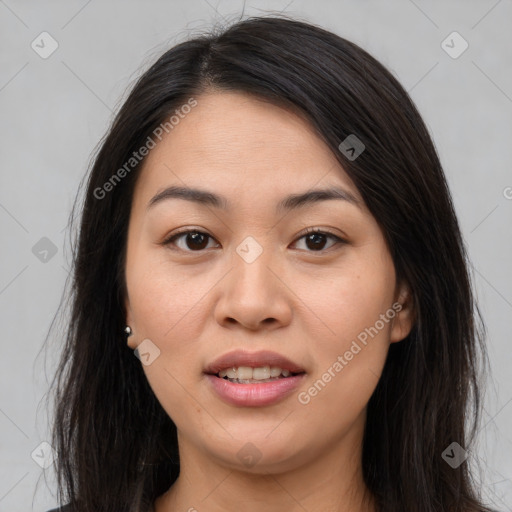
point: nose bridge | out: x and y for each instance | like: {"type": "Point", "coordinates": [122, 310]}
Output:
{"type": "Point", "coordinates": [251, 263]}
{"type": "Point", "coordinates": [252, 293]}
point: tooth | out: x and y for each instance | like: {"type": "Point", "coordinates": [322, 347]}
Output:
{"type": "Point", "coordinates": [247, 373]}
{"type": "Point", "coordinates": [275, 371]}
{"type": "Point", "coordinates": [231, 373]}
{"type": "Point", "coordinates": [244, 372]}
{"type": "Point", "coordinates": [261, 373]}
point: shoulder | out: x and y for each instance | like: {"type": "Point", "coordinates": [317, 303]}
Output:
{"type": "Point", "coordinates": [65, 508]}
{"type": "Point", "coordinates": [69, 508]}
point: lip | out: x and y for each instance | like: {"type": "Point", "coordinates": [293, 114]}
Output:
{"type": "Point", "coordinates": [258, 394]}
{"type": "Point", "coordinates": [258, 359]}
{"type": "Point", "coordinates": [254, 395]}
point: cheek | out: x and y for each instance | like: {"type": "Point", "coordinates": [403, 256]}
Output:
{"type": "Point", "coordinates": [356, 314]}
{"type": "Point", "coordinates": [352, 300]}
{"type": "Point", "coordinates": [165, 303]}
{"type": "Point", "coordinates": [165, 309]}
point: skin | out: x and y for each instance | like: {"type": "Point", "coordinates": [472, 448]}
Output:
{"type": "Point", "coordinates": [307, 304]}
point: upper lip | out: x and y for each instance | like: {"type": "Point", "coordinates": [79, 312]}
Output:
{"type": "Point", "coordinates": [239, 358]}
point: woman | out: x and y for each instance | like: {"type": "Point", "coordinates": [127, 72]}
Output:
{"type": "Point", "coordinates": [268, 229]}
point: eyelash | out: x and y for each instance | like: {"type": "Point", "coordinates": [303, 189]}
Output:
{"type": "Point", "coordinates": [170, 240]}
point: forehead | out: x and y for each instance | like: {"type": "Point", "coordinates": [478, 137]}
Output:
{"type": "Point", "coordinates": [234, 142]}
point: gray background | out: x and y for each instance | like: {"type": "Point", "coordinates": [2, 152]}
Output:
{"type": "Point", "coordinates": [55, 111]}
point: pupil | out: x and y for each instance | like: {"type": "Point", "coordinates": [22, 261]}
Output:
{"type": "Point", "coordinates": [196, 239]}
{"type": "Point", "coordinates": [312, 237]}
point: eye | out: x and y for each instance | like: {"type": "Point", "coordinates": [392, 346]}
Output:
{"type": "Point", "coordinates": [315, 239]}
{"type": "Point", "coordinates": [196, 241]}
{"type": "Point", "coordinates": [193, 240]}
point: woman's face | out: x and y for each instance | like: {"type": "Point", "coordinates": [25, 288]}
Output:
{"type": "Point", "coordinates": [250, 284]}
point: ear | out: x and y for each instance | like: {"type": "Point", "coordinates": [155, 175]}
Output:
{"type": "Point", "coordinates": [403, 320]}
{"type": "Point", "coordinates": [131, 340]}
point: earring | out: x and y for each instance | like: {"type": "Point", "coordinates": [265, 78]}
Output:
{"type": "Point", "coordinates": [128, 331]}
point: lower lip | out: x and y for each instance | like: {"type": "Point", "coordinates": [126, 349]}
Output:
{"type": "Point", "coordinates": [254, 395]}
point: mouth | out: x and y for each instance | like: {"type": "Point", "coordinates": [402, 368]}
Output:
{"type": "Point", "coordinates": [248, 379]}
{"type": "Point", "coordinates": [253, 367]}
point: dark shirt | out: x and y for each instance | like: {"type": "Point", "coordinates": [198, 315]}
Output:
{"type": "Point", "coordinates": [68, 508]}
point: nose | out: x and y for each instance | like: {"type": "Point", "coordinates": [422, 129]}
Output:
{"type": "Point", "coordinates": [253, 295]}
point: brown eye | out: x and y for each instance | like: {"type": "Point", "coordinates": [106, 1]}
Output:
{"type": "Point", "coordinates": [196, 241]}
{"type": "Point", "coordinates": [193, 240]}
{"type": "Point", "coordinates": [315, 240]}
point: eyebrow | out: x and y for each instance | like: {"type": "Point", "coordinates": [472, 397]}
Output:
{"type": "Point", "coordinates": [291, 202]}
